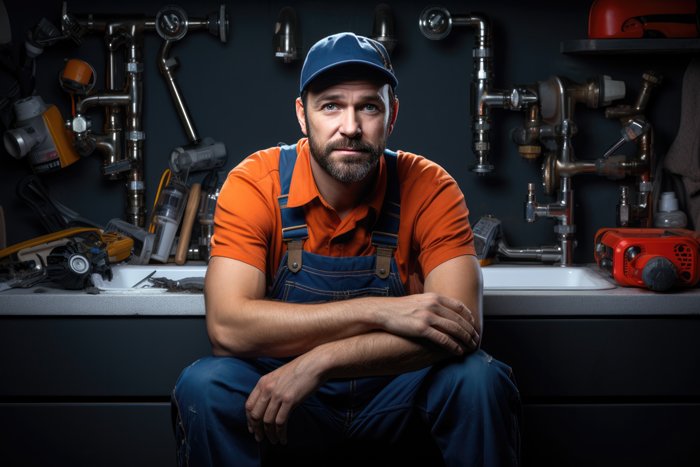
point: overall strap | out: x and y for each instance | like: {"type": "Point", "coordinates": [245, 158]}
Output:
{"type": "Point", "coordinates": [294, 230]}
{"type": "Point", "coordinates": [386, 231]}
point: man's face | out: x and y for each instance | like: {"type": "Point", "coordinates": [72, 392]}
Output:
{"type": "Point", "coordinates": [347, 125]}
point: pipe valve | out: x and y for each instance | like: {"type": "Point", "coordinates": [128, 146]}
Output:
{"type": "Point", "coordinates": [531, 204]}
{"type": "Point", "coordinates": [435, 23]}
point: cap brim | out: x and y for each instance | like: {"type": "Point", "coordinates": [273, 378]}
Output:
{"type": "Point", "coordinates": [391, 79]}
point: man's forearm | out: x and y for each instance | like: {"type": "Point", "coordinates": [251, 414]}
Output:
{"type": "Point", "coordinates": [242, 323]}
{"type": "Point", "coordinates": [277, 329]}
{"type": "Point", "coordinates": [280, 329]}
{"type": "Point", "coordinates": [373, 354]}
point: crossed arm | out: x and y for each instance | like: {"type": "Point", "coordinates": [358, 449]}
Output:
{"type": "Point", "coordinates": [353, 338]}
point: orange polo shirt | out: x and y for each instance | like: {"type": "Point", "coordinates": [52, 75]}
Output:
{"type": "Point", "coordinates": [434, 216]}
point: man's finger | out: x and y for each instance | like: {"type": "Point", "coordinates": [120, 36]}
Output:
{"type": "Point", "coordinates": [270, 422]}
{"type": "Point", "coordinates": [281, 421]}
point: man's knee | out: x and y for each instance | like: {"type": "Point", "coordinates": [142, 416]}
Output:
{"type": "Point", "coordinates": [478, 373]}
{"type": "Point", "coordinates": [213, 381]}
{"type": "Point", "coordinates": [197, 379]}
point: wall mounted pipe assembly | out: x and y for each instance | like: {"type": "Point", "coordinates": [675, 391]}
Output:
{"type": "Point", "coordinates": [436, 23]}
{"type": "Point", "coordinates": [123, 134]}
{"type": "Point", "coordinates": [549, 122]}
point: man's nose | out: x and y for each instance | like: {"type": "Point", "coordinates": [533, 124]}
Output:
{"type": "Point", "coordinates": [350, 125]}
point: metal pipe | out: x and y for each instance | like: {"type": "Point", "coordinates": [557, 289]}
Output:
{"type": "Point", "coordinates": [436, 23]}
{"type": "Point", "coordinates": [114, 162]}
{"type": "Point", "coordinates": [481, 95]}
{"type": "Point", "coordinates": [383, 27]}
{"type": "Point", "coordinates": [136, 209]}
{"type": "Point", "coordinates": [546, 253]}
{"type": "Point", "coordinates": [642, 208]}
{"type": "Point", "coordinates": [166, 66]}
{"type": "Point", "coordinates": [285, 38]}
{"type": "Point", "coordinates": [123, 103]}
{"type": "Point", "coordinates": [102, 99]}
{"type": "Point", "coordinates": [557, 100]}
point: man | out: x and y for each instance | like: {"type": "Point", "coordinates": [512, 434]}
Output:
{"type": "Point", "coordinates": [315, 339]}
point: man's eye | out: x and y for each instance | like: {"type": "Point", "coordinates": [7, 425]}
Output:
{"type": "Point", "coordinates": [329, 106]}
{"type": "Point", "coordinates": [371, 108]}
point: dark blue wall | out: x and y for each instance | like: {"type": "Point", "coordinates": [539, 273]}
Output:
{"type": "Point", "coordinates": [238, 93]}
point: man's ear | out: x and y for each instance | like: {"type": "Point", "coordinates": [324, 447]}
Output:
{"type": "Point", "coordinates": [394, 114]}
{"type": "Point", "coordinates": [301, 116]}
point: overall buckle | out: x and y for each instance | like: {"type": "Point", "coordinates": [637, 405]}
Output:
{"type": "Point", "coordinates": [294, 249]}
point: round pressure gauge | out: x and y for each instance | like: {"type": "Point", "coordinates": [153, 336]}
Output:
{"type": "Point", "coordinates": [171, 23]}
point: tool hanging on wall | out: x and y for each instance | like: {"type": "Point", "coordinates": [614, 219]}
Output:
{"type": "Point", "coordinates": [172, 25]}
{"type": "Point", "coordinates": [40, 134]}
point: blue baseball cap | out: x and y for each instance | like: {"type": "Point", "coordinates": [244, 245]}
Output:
{"type": "Point", "coordinates": [343, 49]}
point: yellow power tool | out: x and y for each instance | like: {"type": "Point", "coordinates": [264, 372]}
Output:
{"type": "Point", "coordinates": [68, 258]}
{"type": "Point", "coordinates": [118, 246]}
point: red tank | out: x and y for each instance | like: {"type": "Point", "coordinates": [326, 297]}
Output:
{"type": "Point", "coordinates": [628, 19]}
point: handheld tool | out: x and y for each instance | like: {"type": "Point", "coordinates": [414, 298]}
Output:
{"type": "Point", "coordinates": [187, 223]}
{"type": "Point", "coordinates": [656, 259]}
{"type": "Point", "coordinates": [41, 135]}
{"type": "Point", "coordinates": [118, 246]}
{"type": "Point", "coordinates": [68, 257]}
{"type": "Point", "coordinates": [487, 232]}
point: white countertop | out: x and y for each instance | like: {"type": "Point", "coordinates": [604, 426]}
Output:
{"type": "Point", "coordinates": [618, 301]}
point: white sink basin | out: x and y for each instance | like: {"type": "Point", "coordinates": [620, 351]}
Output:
{"type": "Point", "coordinates": [133, 278]}
{"type": "Point", "coordinates": [541, 277]}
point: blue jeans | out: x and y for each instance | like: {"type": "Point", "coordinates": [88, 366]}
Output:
{"type": "Point", "coordinates": [470, 405]}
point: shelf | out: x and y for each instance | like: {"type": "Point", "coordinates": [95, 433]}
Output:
{"type": "Point", "coordinates": [630, 46]}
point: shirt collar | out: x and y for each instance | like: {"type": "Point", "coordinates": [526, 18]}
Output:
{"type": "Point", "coordinates": [303, 190]}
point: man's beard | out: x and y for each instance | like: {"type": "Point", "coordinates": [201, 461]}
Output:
{"type": "Point", "coordinates": [349, 169]}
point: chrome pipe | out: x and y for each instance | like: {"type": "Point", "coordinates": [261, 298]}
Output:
{"type": "Point", "coordinates": [123, 127]}
{"type": "Point", "coordinates": [102, 99]}
{"type": "Point", "coordinates": [546, 253]}
{"type": "Point", "coordinates": [166, 66]}
{"type": "Point", "coordinates": [383, 30]}
{"type": "Point", "coordinates": [436, 23]}
{"type": "Point", "coordinates": [285, 37]}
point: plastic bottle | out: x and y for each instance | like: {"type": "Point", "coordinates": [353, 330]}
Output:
{"type": "Point", "coordinates": [168, 214]}
{"type": "Point", "coordinates": [668, 214]}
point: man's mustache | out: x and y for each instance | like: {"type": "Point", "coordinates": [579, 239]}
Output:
{"type": "Point", "coordinates": [346, 143]}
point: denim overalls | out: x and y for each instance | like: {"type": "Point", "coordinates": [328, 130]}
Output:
{"type": "Point", "coordinates": [470, 405]}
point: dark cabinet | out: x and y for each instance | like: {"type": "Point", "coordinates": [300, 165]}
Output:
{"type": "Point", "coordinates": [86, 391]}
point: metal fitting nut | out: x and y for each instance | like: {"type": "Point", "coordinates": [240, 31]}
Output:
{"type": "Point", "coordinates": [564, 229]}
{"type": "Point", "coordinates": [136, 135]}
{"type": "Point", "coordinates": [134, 67]}
{"type": "Point", "coordinates": [80, 124]}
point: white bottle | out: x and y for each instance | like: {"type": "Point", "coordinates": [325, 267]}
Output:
{"type": "Point", "coordinates": [668, 215]}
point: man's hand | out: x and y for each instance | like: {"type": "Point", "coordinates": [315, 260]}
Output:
{"type": "Point", "coordinates": [442, 320]}
{"type": "Point", "coordinates": [275, 396]}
